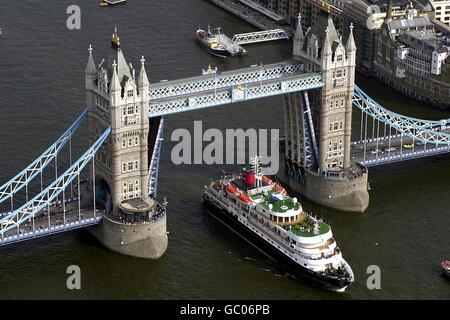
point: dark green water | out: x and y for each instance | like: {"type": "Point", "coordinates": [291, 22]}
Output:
{"type": "Point", "coordinates": [405, 231]}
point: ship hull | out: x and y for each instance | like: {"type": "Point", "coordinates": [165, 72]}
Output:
{"type": "Point", "coordinates": [229, 220]}
{"type": "Point", "coordinates": [219, 53]}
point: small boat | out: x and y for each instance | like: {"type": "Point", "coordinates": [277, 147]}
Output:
{"type": "Point", "coordinates": [218, 44]}
{"type": "Point", "coordinates": [211, 43]}
{"type": "Point", "coordinates": [446, 267]}
{"type": "Point", "coordinates": [106, 3]}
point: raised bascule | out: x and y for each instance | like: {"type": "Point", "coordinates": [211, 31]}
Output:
{"type": "Point", "coordinates": [112, 188]}
{"type": "Point", "coordinates": [318, 124]}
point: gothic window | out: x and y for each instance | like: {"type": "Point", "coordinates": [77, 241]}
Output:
{"type": "Point", "coordinates": [124, 143]}
{"type": "Point", "coordinates": [130, 93]}
{"type": "Point", "coordinates": [130, 166]}
{"type": "Point", "coordinates": [136, 141]}
{"type": "Point", "coordinates": [339, 57]}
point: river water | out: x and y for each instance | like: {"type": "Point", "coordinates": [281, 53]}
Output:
{"type": "Point", "coordinates": [405, 231]}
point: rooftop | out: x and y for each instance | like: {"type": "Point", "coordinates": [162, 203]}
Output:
{"type": "Point", "coordinates": [382, 4]}
{"type": "Point", "coordinates": [427, 37]}
{"type": "Point", "coordinates": [404, 23]}
{"type": "Point", "coordinates": [137, 205]}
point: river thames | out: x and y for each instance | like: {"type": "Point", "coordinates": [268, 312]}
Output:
{"type": "Point", "coordinates": [405, 230]}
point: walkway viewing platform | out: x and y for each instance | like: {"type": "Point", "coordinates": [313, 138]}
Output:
{"type": "Point", "coordinates": [254, 14]}
{"type": "Point", "coordinates": [214, 89]}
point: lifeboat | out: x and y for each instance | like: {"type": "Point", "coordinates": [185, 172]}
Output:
{"type": "Point", "coordinates": [280, 189]}
{"type": "Point", "coordinates": [245, 198]}
{"type": "Point", "coordinates": [232, 190]}
{"type": "Point", "coordinates": [267, 181]}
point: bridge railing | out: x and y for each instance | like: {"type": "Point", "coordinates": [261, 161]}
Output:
{"type": "Point", "coordinates": [168, 89]}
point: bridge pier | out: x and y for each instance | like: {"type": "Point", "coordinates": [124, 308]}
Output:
{"type": "Point", "coordinates": [342, 194]}
{"type": "Point", "coordinates": [147, 241]}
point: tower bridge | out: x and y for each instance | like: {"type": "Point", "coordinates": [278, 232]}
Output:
{"type": "Point", "coordinates": [112, 188]}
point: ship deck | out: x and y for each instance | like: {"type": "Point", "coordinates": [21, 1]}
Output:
{"type": "Point", "coordinates": [305, 229]}
{"type": "Point", "coordinates": [279, 206]}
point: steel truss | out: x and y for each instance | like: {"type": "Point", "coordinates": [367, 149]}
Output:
{"type": "Point", "coordinates": [26, 212]}
{"type": "Point", "coordinates": [311, 152]}
{"type": "Point", "coordinates": [222, 80]}
{"type": "Point", "coordinates": [23, 178]}
{"type": "Point", "coordinates": [418, 129]}
{"type": "Point", "coordinates": [260, 36]}
{"type": "Point", "coordinates": [255, 90]}
{"type": "Point", "coordinates": [154, 162]}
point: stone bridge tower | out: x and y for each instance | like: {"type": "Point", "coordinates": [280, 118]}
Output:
{"type": "Point", "coordinates": [318, 123]}
{"type": "Point", "coordinates": [133, 223]}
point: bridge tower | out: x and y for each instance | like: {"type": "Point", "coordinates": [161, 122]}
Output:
{"type": "Point", "coordinates": [134, 223]}
{"type": "Point", "coordinates": [318, 123]}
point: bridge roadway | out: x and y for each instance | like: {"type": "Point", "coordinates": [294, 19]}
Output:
{"type": "Point", "coordinates": [44, 226]}
{"type": "Point", "coordinates": [401, 149]}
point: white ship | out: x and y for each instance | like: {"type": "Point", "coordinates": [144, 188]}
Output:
{"type": "Point", "coordinates": [262, 211]}
{"type": "Point", "coordinates": [218, 44]}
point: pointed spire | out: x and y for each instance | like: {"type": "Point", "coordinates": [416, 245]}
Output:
{"type": "Point", "coordinates": [90, 67]}
{"type": "Point", "coordinates": [299, 35]}
{"type": "Point", "coordinates": [326, 47]}
{"type": "Point", "coordinates": [351, 46]}
{"type": "Point", "coordinates": [143, 79]}
{"type": "Point", "coordinates": [115, 41]}
{"type": "Point", "coordinates": [115, 84]}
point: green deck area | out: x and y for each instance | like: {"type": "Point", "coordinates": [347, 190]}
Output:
{"type": "Point", "coordinates": [307, 230]}
{"type": "Point", "coordinates": [277, 206]}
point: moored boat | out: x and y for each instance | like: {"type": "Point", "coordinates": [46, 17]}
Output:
{"type": "Point", "coordinates": [218, 43]}
{"type": "Point", "coordinates": [445, 265]}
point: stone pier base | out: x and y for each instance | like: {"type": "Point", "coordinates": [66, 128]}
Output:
{"type": "Point", "coordinates": [148, 241]}
{"type": "Point", "coordinates": [349, 195]}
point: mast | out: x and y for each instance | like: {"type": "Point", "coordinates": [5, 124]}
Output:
{"type": "Point", "coordinates": [257, 170]}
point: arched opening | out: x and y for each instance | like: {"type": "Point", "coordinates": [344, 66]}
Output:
{"type": "Point", "coordinates": [103, 195]}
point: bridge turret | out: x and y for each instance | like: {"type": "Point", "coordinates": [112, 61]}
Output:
{"type": "Point", "coordinates": [324, 166]}
{"type": "Point", "coordinates": [115, 89]}
{"type": "Point", "coordinates": [299, 38]}
{"type": "Point", "coordinates": [143, 81]}
{"type": "Point", "coordinates": [350, 47]}
{"type": "Point", "coordinates": [326, 53]}
{"type": "Point", "coordinates": [134, 223]}
{"type": "Point", "coordinates": [91, 71]}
